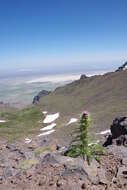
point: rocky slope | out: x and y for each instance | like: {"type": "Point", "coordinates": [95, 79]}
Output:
{"type": "Point", "coordinates": [41, 165]}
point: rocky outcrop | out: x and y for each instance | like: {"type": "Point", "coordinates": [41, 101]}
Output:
{"type": "Point", "coordinates": [83, 77]}
{"type": "Point", "coordinates": [123, 67]}
{"type": "Point", "coordinates": [119, 127]}
{"type": "Point", "coordinates": [118, 132]}
{"type": "Point", "coordinates": [40, 95]}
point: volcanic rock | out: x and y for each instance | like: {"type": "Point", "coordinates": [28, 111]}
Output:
{"type": "Point", "coordinates": [83, 77]}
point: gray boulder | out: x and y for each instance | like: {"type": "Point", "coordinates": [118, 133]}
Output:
{"type": "Point", "coordinates": [119, 127]}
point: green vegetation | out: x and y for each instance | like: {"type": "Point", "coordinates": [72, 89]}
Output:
{"type": "Point", "coordinates": [84, 125]}
{"type": "Point", "coordinates": [96, 150]}
{"type": "Point", "coordinates": [41, 150]}
{"type": "Point", "coordinates": [81, 148]}
{"type": "Point", "coordinates": [20, 123]}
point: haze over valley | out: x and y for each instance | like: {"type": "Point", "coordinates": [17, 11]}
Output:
{"type": "Point", "coordinates": [19, 89]}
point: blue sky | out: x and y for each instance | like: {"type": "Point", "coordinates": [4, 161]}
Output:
{"type": "Point", "coordinates": [62, 34]}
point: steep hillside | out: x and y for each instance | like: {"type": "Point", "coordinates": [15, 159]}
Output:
{"type": "Point", "coordinates": [20, 123]}
{"type": "Point", "coordinates": [105, 97]}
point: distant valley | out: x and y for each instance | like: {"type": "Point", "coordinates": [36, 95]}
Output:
{"type": "Point", "coordinates": [20, 90]}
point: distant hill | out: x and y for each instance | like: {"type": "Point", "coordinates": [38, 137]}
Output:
{"type": "Point", "coordinates": [104, 96]}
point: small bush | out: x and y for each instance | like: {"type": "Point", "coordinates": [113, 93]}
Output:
{"type": "Point", "coordinates": [74, 151]}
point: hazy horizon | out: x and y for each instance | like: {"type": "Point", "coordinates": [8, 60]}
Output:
{"type": "Point", "coordinates": [83, 69]}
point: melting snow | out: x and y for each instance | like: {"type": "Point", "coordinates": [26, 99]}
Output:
{"type": "Point", "coordinates": [104, 132]}
{"type": "Point", "coordinates": [51, 118]}
{"type": "Point", "coordinates": [27, 141]}
{"type": "Point", "coordinates": [46, 133]}
{"type": "Point", "coordinates": [44, 112]}
{"type": "Point", "coordinates": [49, 127]}
{"type": "Point", "coordinates": [72, 120]}
{"type": "Point", "coordinates": [2, 121]}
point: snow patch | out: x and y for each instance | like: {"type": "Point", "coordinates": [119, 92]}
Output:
{"type": "Point", "coordinates": [27, 141]}
{"type": "Point", "coordinates": [72, 120]}
{"type": "Point", "coordinates": [2, 121]}
{"type": "Point", "coordinates": [49, 127]}
{"type": "Point", "coordinates": [46, 133]}
{"type": "Point", "coordinates": [104, 132]}
{"type": "Point", "coordinates": [44, 112]}
{"type": "Point", "coordinates": [51, 118]}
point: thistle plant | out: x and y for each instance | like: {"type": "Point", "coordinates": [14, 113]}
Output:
{"type": "Point", "coordinates": [83, 128]}
{"type": "Point", "coordinates": [82, 148]}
